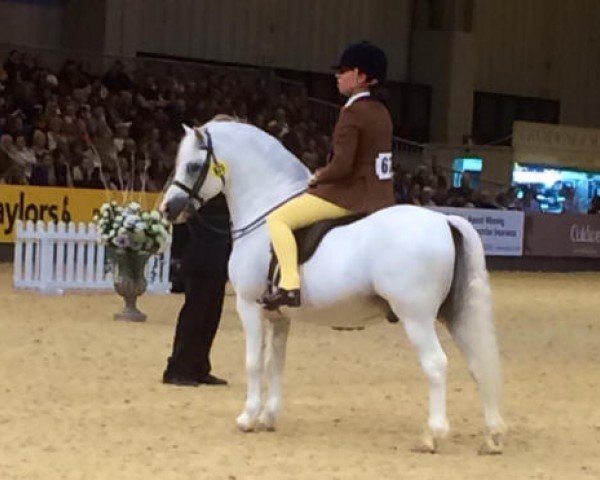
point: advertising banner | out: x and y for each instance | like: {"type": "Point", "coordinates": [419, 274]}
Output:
{"type": "Point", "coordinates": [51, 204]}
{"type": "Point", "coordinates": [501, 231]}
{"type": "Point", "coordinates": [562, 235]}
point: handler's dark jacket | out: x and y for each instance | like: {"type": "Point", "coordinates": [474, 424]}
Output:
{"type": "Point", "coordinates": [363, 132]}
{"type": "Point", "coordinates": [209, 242]}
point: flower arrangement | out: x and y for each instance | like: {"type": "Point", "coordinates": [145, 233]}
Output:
{"type": "Point", "coordinates": [130, 229]}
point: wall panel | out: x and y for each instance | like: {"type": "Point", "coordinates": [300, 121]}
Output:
{"type": "Point", "coordinates": [299, 34]}
{"type": "Point", "coordinates": [30, 24]}
{"type": "Point", "coordinates": [542, 48]}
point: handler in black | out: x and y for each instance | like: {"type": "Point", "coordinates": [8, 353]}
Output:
{"type": "Point", "coordinates": [204, 271]}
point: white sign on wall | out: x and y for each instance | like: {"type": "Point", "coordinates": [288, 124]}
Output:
{"type": "Point", "coordinates": [501, 231]}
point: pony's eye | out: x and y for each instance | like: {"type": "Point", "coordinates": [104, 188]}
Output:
{"type": "Point", "coordinates": [193, 168]}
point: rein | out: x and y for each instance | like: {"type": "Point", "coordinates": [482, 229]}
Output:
{"type": "Point", "coordinates": [258, 222]}
{"type": "Point", "coordinates": [194, 193]}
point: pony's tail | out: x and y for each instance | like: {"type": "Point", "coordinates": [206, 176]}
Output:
{"type": "Point", "coordinates": [467, 312]}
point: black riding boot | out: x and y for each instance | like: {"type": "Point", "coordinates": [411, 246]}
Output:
{"type": "Point", "coordinates": [281, 298]}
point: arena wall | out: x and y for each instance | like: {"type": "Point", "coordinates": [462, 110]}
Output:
{"type": "Point", "coordinates": [301, 35]}
{"type": "Point", "coordinates": [541, 48]}
{"type": "Point", "coordinates": [32, 24]}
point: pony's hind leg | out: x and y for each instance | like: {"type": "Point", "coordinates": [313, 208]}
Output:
{"type": "Point", "coordinates": [251, 316]}
{"type": "Point", "coordinates": [421, 332]}
{"type": "Point", "coordinates": [473, 331]}
{"type": "Point", "coordinates": [276, 340]}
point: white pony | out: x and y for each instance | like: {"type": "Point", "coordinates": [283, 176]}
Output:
{"type": "Point", "coordinates": [420, 264]}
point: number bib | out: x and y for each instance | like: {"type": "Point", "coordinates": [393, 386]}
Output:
{"type": "Point", "coordinates": [383, 166]}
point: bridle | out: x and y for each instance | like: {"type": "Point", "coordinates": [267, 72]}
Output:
{"type": "Point", "coordinates": [194, 192]}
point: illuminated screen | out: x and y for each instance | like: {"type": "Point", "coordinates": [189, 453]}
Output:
{"type": "Point", "coordinates": [472, 165]}
{"type": "Point", "coordinates": [557, 189]}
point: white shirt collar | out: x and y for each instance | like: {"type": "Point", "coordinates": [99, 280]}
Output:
{"type": "Point", "coordinates": [355, 97]}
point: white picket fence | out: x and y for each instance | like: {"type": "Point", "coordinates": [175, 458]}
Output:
{"type": "Point", "coordinates": [53, 257]}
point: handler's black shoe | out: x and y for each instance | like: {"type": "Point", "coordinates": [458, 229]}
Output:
{"type": "Point", "coordinates": [212, 380]}
{"type": "Point", "coordinates": [281, 298]}
{"type": "Point", "coordinates": [180, 381]}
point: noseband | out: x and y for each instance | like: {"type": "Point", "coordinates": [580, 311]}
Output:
{"type": "Point", "coordinates": [194, 192]}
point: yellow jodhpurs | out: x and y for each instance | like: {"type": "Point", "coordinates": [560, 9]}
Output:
{"type": "Point", "coordinates": [297, 213]}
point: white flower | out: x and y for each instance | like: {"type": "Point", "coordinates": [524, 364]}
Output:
{"type": "Point", "coordinates": [130, 221]}
{"type": "Point", "coordinates": [140, 225]}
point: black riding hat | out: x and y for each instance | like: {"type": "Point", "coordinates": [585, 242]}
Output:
{"type": "Point", "coordinates": [368, 58]}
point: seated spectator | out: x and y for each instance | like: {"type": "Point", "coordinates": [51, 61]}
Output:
{"type": "Point", "coordinates": [121, 135]}
{"type": "Point", "coordinates": [421, 177]}
{"type": "Point", "coordinates": [402, 184]}
{"type": "Point", "coordinates": [483, 199]}
{"type": "Point", "coordinates": [570, 205]}
{"type": "Point", "coordinates": [39, 145]}
{"type": "Point", "coordinates": [464, 191]}
{"type": "Point", "coordinates": [24, 156]}
{"type": "Point", "coordinates": [595, 206]}
{"type": "Point", "coordinates": [116, 79]}
{"type": "Point", "coordinates": [292, 142]}
{"type": "Point", "coordinates": [43, 173]}
{"type": "Point", "coordinates": [12, 67]}
{"type": "Point", "coordinates": [440, 189]}
{"type": "Point", "coordinates": [55, 134]}
{"type": "Point", "coordinates": [426, 199]}
{"type": "Point", "coordinates": [529, 203]}
{"type": "Point", "coordinates": [310, 156]}
{"type": "Point", "coordinates": [86, 170]}
{"type": "Point", "coordinates": [507, 200]}
{"type": "Point", "coordinates": [415, 194]}
{"type": "Point", "coordinates": [13, 172]}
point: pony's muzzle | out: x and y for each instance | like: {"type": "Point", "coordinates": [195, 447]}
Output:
{"type": "Point", "coordinates": [173, 208]}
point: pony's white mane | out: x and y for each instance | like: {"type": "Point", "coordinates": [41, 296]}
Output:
{"type": "Point", "coordinates": [262, 173]}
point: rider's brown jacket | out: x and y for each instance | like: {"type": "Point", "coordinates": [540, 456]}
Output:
{"type": "Point", "coordinates": [358, 174]}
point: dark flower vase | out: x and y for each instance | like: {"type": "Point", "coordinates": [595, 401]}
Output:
{"type": "Point", "coordinates": [130, 282]}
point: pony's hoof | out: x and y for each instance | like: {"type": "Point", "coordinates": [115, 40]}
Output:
{"type": "Point", "coordinates": [428, 444]}
{"type": "Point", "coordinates": [267, 421]}
{"type": "Point", "coordinates": [493, 445]}
{"type": "Point", "coordinates": [245, 423]}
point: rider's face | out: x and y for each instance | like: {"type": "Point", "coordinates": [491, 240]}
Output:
{"type": "Point", "coordinates": [350, 81]}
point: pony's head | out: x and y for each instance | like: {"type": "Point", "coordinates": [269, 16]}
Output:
{"type": "Point", "coordinates": [198, 177]}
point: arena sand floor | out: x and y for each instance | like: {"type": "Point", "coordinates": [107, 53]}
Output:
{"type": "Point", "coordinates": [81, 398]}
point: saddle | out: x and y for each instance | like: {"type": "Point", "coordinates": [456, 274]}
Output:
{"type": "Point", "coordinates": [308, 240]}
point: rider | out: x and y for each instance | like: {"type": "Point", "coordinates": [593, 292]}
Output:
{"type": "Point", "coordinates": [358, 175]}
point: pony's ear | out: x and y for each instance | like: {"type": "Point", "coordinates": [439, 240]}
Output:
{"type": "Point", "coordinates": [187, 129]}
{"type": "Point", "coordinates": [199, 134]}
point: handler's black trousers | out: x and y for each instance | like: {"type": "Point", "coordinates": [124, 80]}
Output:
{"type": "Point", "coordinates": [204, 272]}
{"type": "Point", "coordinates": [197, 326]}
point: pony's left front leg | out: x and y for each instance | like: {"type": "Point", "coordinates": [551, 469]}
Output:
{"type": "Point", "coordinates": [276, 340]}
{"type": "Point", "coordinates": [251, 314]}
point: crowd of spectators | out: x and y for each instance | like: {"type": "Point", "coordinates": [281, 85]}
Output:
{"type": "Point", "coordinates": [120, 130]}
{"type": "Point", "coordinates": [428, 188]}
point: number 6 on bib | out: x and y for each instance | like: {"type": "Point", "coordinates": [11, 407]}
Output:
{"type": "Point", "coordinates": [383, 166]}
